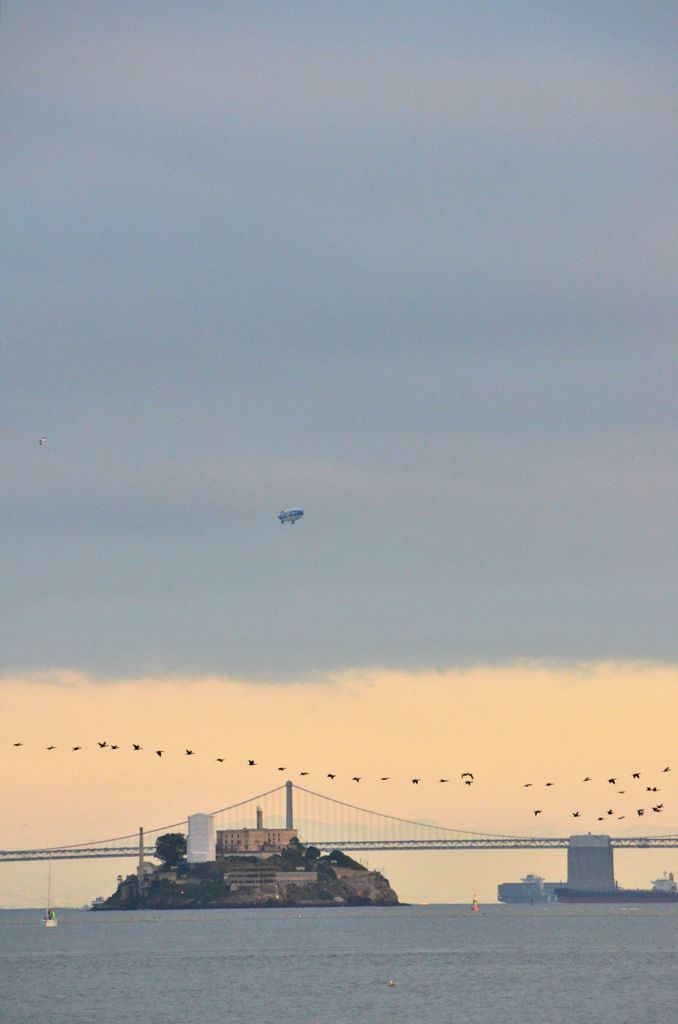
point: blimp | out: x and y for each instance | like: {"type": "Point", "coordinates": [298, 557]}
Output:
{"type": "Point", "coordinates": [290, 515]}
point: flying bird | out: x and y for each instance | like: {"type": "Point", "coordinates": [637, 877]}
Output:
{"type": "Point", "coordinates": [526, 785]}
{"type": "Point", "coordinates": [115, 746]}
{"type": "Point", "coordinates": [636, 775]}
{"type": "Point", "coordinates": [613, 782]}
{"type": "Point", "coordinates": [549, 783]}
{"type": "Point", "coordinates": [331, 776]}
{"type": "Point", "coordinates": [102, 743]}
{"type": "Point", "coordinates": [221, 760]}
{"type": "Point", "coordinates": [43, 440]}
{"type": "Point", "coordinates": [536, 813]}
{"type": "Point", "coordinates": [250, 762]}
{"type": "Point", "coordinates": [160, 752]}
{"type": "Point", "coordinates": [443, 780]}
{"type": "Point", "coordinates": [137, 746]}
{"type": "Point", "coordinates": [651, 789]}
{"type": "Point", "coordinates": [51, 748]}
{"type": "Point", "coordinates": [282, 769]}
{"type": "Point", "coordinates": [303, 773]}
{"type": "Point", "coordinates": [415, 782]}
{"type": "Point", "coordinates": [666, 769]}
{"type": "Point", "coordinates": [17, 744]}
{"type": "Point", "coordinates": [356, 778]}
{"type": "Point", "coordinates": [189, 752]}
{"type": "Point", "coordinates": [468, 782]}
{"type": "Point", "coordinates": [575, 814]}
{"type": "Point", "coordinates": [466, 775]}
{"type": "Point", "coordinates": [587, 779]}
{"type": "Point", "coordinates": [640, 812]}
{"type": "Point", "coordinates": [76, 748]}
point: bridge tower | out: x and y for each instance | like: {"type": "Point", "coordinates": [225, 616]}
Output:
{"type": "Point", "coordinates": [590, 864]}
{"type": "Point", "coordinates": [289, 805]}
{"type": "Point", "coordinates": [141, 878]}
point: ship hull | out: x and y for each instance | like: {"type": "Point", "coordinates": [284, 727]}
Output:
{"type": "Point", "coordinates": [565, 895]}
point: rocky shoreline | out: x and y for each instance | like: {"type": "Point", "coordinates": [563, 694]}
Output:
{"type": "Point", "coordinates": [297, 877]}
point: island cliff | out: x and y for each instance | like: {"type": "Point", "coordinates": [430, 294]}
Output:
{"type": "Point", "coordinates": [294, 877]}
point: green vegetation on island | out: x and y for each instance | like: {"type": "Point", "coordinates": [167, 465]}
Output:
{"type": "Point", "coordinates": [295, 876]}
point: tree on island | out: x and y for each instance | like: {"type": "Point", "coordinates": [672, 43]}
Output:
{"type": "Point", "coordinates": [171, 849]}
{"type": "Point", "coordinates": [340, 859]}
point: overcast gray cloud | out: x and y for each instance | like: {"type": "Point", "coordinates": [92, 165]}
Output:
{"type": "Point", "coordinates": [409, 266]}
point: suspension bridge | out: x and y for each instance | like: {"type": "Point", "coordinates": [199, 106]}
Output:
{"type": "Point", "coordinates": [328, 824]}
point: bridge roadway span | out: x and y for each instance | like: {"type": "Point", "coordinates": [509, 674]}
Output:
{"type": "Point", "coordinates": [503, 843]}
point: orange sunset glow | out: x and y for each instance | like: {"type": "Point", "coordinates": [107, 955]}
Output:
{"type": "Point", "coordinates": [509, 725]}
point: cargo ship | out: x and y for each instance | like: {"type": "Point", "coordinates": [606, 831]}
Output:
{"type": "Point", "coordinates": [664, 890]}
{"type": "Point", "coordinates": [531, 889]}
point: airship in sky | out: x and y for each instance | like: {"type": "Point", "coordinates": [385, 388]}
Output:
{"type": "Point", "coordinates": [290, 515]}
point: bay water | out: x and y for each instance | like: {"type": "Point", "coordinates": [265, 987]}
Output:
{"type": "Point", "coordinates": [593, 964]}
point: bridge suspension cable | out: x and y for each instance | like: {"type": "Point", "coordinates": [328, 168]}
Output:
{"type": "Point", "coordinates": [328, 822]}
{"type": "Point", "coordinates": [407, 821]}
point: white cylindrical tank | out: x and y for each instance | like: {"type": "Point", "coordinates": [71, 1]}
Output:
{"type": "Point", "coordinates": [201, 846]}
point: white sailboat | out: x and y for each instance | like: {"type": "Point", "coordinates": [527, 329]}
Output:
{"type": "Point", "coordinates": [50, 919]}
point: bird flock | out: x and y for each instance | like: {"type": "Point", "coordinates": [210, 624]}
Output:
{"type": "Point", "coordinates": [610, 812]}
{"type": "Point", "coordinates": [466, 779]}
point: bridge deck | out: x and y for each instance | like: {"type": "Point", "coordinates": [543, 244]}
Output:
{"type": "Point", "coordinates": [506, 843]}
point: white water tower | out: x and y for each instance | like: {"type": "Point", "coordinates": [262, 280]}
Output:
{"type": "Point", "coordinates": [201, 839]}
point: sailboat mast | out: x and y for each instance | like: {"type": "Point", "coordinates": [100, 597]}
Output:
{"type": "Point", "coordinates": [50, 920]}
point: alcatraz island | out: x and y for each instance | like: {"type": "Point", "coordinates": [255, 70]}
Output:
{"type": "Point", "coordinates": [245, 867]}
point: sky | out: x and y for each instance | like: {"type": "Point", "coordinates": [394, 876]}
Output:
{"type": "Point", "coordinates": [409, 267]}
